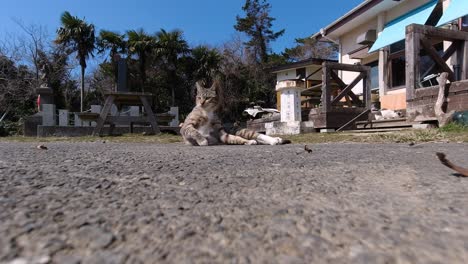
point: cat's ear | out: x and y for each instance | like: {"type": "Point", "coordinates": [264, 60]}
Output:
{"type": "Point", "coordinates": [215, 85]}
{"type": "Point", "coordinates": [200, 87]}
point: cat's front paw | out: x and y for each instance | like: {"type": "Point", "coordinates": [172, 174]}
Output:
{"type": "Point", "coordinates": [251, 142]}
{"type": "Point", "coordinates": [281, 141]}
{"type": "Point", "coordinates": [203, 142]}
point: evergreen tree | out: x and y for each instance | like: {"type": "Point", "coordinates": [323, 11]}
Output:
{"type": "Point", "coordinates": [257, 25]}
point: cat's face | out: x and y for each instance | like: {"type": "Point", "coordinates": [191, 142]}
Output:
{"type": "Point", "coordinates": [207, 97]}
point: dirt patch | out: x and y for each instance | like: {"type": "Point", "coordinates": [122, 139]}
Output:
{"type": "Point", "coordinates": [111, 202]}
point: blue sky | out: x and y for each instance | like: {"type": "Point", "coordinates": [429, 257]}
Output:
{"type": "Point", "coordinates": [203, 21]}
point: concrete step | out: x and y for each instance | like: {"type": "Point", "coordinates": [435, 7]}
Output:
{"type": "Point", "coordinates": [387, 123]}
{"type": "Point", "coordinates": [377, 130]}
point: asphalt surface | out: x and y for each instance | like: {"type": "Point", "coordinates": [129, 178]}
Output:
{"type": "Point", "coordinates": [101, 202]}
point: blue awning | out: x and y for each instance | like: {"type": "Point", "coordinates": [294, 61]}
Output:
{"type": "Point", "coordinates": [456, 9]}
{"type": "Point", "coordinates": [394, 31]}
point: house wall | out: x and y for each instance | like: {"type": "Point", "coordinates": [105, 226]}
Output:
{"type": "Point", "coordinates": [316, 76]}
{"type": "Point", "coordinates": [348, 44]}
{"type": "Point", "coordinates": [286, 75]}
{"type": "Point", "coordinates": [390, 99]}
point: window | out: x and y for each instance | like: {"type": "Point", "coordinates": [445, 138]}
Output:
{"type": "Point", "coordinates": [464, 23]}
{"type": "Point", "coordinates": [397, 65]}
{"type": "Point", "coordinates": [374, 78]}
{"type": "Point", "coordinates": [428, 68]}
{"type": "Point", "coordinates": [301, 73]}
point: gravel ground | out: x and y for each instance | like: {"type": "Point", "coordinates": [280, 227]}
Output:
{"type": "Point", "coordinates": [170, 203]}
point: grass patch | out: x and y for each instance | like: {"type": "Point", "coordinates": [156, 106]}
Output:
{"type": "Point", "coordinates": [454, 128]}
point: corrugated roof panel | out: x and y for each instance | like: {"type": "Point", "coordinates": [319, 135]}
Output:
{"type": "Point", "coordinates": [456, 9]}
{"type": "Point", "coordinates": [394, 31]}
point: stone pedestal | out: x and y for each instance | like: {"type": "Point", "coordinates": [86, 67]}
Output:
{"type": "Point", "coordinates": [30, 125]}
{"type": "Point", "coordinates": [95, 109]}
{"type": "Point", "coordinates": [290, 122]}
{"type": "Point", "coordinates": [174, 111]}
{"type": "Point", "coordinates": [63, 117]}
{"type": "Point", "coordinates": [47, 96]}
{"type": "Point", "coordinates": [122, 70]}
{"type": "Point", "coordinates": [289, 128]}
{"type": "Point", "coordinates": [290, 103]}
{"type": "Point", "coordinates": [78, 122]}
{"type": "Point", "coordinates": [48, 114]}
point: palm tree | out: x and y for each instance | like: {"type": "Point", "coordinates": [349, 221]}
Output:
{"type": "Point", "coordinates": [206, 63]}
{"type": "Point", "coordinates": [171, 46]}
{"type": "Point", "coordinates": [78, 36]}
{"type": "Point", "coordinates": [114, 43]}
{"type": "Point", "coordinates": [141, 44]}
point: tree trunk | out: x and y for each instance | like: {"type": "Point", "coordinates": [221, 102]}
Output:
{"type": "Point", "coordinates": [173, 82]}
{"type": "Point", "coordinates": [439, 108]}
{"type": "Point", "coordinates": [82, 89]}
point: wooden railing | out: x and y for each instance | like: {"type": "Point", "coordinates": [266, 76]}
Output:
{"type": "Point", "coordinates": [420, 37]}
{"type": "Point", "coordinates": [334, 89]}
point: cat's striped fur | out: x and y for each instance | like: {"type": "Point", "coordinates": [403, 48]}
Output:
{"type": "Point", "coordinates": [202, 127]}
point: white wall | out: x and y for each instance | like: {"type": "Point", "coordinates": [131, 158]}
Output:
{"type": "Point", "coordinates": [285, 75]}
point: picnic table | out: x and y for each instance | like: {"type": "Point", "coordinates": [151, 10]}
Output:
{"type": "Point", "coordinates": [121, 99]}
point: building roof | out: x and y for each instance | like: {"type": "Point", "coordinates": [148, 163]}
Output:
{"type": "Point", "coordinates": [358, 15]}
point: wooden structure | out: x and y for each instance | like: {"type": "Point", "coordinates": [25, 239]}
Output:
{"type": "Point", "coordinates": [421, 100]}
{"type": "Point", "coordinates": [126, 99]}
{"type": "Point", "coordinates": [339, 104]}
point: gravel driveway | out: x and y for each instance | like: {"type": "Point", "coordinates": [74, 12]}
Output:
{"type": "Point", "coordinates": [101, 202]}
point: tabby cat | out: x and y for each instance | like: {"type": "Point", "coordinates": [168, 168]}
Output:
{"type": "Point", "coordinates": [202, 127]}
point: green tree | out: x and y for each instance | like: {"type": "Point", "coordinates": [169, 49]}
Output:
{"type": "Point", "coordinates": [114, 43]}
{"type": "Point", "coordinates": [111, 41]}
{"type": "Point", "coordinates": [307, 48]}
{"type": "Point", "coordinates": [206, 63]}
{"type": "Point", "coordinates": [78, 36]}
{"type": "Point", "coordinates": [257, 25]}
{"type": "Point", "coordinates": [141, 44]}
{"type": "Point", "coordinates": [171, 46]}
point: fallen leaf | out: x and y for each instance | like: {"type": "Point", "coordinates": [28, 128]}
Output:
{"type": "Point", "coordinates": [446, 162]}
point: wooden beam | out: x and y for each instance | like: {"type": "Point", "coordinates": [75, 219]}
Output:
{"type": "Point", "coordinates": [412, 46]}
{"type": "Point", "coordinates": [326, 88]}
{"type": "Point", "coordinates": [348, 88]}
{"type": "Point", "coordinates": [447, 54]}
{"type": "Point", "coordinates": [367, 89]}
{"type": "Point", "coordinates": [103, 116]}
{"type": "Point", "coordinates": [343, 86]}
{"type": "Point", "coordinates": [438, 60]}
{"type": "Point", "coordinates": [347, 67]}
{"type": "Point", "coordinates": [440, 33]}
{"type": "Point", "coordinates": [150, 115]}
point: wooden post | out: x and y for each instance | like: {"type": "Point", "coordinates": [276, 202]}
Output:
{"type": "Point", "coordinates": [464, 64]}
{"type": "Point", "coordinates": [326, 88]}
{"type": "Point", "coordinates": [367, 90]}
{"type": "Point", "coordinates": [103, 116]}
{"type": "Point", "coordinates": [413, 47]}
{"type": "Point", "coordinates": [150, 115]}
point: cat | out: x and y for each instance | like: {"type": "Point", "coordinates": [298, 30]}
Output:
{"type": "Point", "coordinates": [202, 127]}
